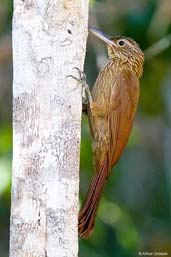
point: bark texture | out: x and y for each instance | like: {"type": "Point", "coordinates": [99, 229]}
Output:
{"type": "Point", "coordinates": [49, 39]}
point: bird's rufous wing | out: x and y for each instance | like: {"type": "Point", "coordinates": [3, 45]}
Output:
{"type": "Point", "coordinates": [122, 108]}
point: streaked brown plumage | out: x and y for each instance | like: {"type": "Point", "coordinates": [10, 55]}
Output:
{"type": "Point", "coordinates": [111, 111]}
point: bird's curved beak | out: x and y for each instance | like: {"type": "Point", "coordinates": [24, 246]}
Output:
{"type": "Point", "coordinates": [105, 38]}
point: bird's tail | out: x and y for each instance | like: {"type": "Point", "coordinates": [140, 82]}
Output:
{"type": "Point", "coordinates": [87, 214]}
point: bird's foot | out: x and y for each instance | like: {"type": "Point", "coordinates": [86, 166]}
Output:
{"type": "Point", "coordinates": [85, 87]}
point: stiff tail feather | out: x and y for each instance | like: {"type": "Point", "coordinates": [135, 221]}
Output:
{"type": "Point", "coordinates": [87, 214]}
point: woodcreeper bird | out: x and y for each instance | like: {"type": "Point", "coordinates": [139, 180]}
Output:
{"type": "Point", "coordinates": [112, 104]}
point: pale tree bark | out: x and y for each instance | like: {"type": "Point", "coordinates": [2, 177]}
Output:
{"type": "Point", "coordinates": [49, 39]}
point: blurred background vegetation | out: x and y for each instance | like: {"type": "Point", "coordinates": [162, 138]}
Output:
{"type": "Point", "coordinates": [135, 211]}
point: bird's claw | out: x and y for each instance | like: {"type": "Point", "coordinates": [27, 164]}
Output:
{"type": "Point", "coordinates": [85, 86]}
{"type": "Point", "coordinates": [81, 74]}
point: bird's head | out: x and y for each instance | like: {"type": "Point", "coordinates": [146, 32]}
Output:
{"type": "Point", "coordinates": [122, 49]}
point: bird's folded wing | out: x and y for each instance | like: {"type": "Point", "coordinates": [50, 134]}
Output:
{"type": "Point", "coordinates": [122, 108]}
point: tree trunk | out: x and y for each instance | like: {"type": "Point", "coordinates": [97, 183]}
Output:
{"type": "Point", "coordinates": [49, 40]}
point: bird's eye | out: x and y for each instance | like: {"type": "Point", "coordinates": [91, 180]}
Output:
{"type": "Point", "coordinates": [121, 42]}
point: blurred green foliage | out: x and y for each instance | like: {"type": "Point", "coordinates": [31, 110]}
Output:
{"type": "Point", "coordinates": [135, 210]}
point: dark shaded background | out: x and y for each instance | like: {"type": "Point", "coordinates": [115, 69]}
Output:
{"type": "Point", "coordinates": [135, 210]}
